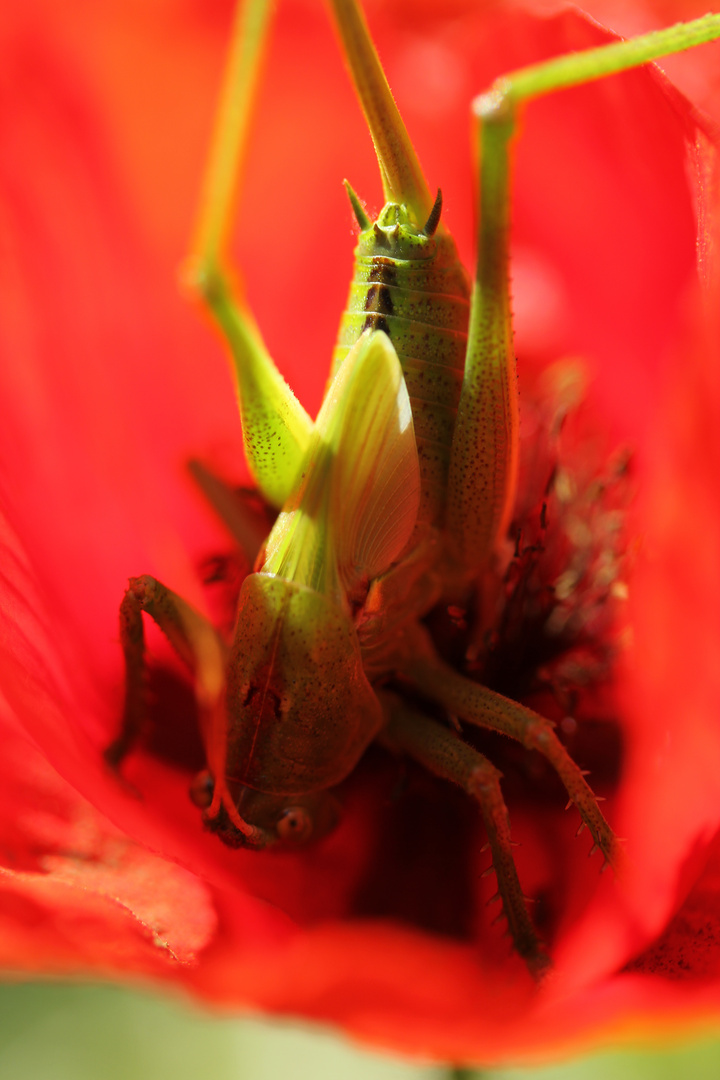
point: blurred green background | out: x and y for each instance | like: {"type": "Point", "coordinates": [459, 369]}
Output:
{"type": "Point", "coordinates": [81, 1032]}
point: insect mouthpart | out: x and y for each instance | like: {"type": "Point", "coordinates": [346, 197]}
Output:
{"type": "Point", "coordinates": [274, 820]}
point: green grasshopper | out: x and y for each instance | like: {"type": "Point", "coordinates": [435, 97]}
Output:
{"type": "Point", "coordinates": [396, 499]}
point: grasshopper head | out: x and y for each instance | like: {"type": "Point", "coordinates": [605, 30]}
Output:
{"type": "Point", "coordinates": [299, 713]}
{"type": "Point", "coordinates": [287, 821]}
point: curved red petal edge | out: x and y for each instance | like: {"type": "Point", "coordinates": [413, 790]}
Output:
{"type": "Point", "coordinates": [112, 382]}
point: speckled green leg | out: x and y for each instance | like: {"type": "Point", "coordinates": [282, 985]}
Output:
{"type": "Point", "coordinates": [442, 752]}
{"type": "Point", "coordinates": [483, 464]}
{"type": "Point", "coordinates": [483, 461]}
{"type": "Point", "coordinates": [276, 428]}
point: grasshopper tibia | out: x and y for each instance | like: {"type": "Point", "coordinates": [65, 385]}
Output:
{"type": "Point", "coordinates": [476, 704]}
{"type": "Point", "coordinates": [443, 753]}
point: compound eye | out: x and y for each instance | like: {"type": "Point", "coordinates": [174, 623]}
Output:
{"type": "Point", "coordinates": [295, 825]}
{"type": "Point", "coordinates": [202, 789]}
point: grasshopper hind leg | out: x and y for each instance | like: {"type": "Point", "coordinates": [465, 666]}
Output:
{"type": "Point", "coordinates": [276, 428]}
{"type": "Point", "coordinates": [443, 753]}
{"type": "Point", "coordinates": [475, 704]}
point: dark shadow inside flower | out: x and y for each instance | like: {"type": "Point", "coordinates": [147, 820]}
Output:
{"type": "Point", "coordinates": [173, 734]}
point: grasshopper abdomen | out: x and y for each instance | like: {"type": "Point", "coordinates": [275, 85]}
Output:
{"type": "Point", "coordinates": [411, 285]}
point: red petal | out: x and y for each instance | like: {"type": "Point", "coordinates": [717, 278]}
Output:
{"type": "Point", "coordinates": [113, 383]}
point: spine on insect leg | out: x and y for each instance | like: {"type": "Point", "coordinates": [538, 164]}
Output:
{"type": "Point", "coordinates": [412, 286]}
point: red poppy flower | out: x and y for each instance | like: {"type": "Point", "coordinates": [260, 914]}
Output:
{"type": "Point", "coordinates": [110, 382]}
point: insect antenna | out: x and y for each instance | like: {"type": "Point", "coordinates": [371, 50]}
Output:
{"type": "Point", "coordinates": [433, 220]}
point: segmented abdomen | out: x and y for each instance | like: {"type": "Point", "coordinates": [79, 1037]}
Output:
{"type": "Point", "coordinates": [422, 305]}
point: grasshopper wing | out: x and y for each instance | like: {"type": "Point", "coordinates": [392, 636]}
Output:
{"type": "Point", "coordinates": [375, 487]}
{"type": "Point", "coordinates": [355, 506]}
